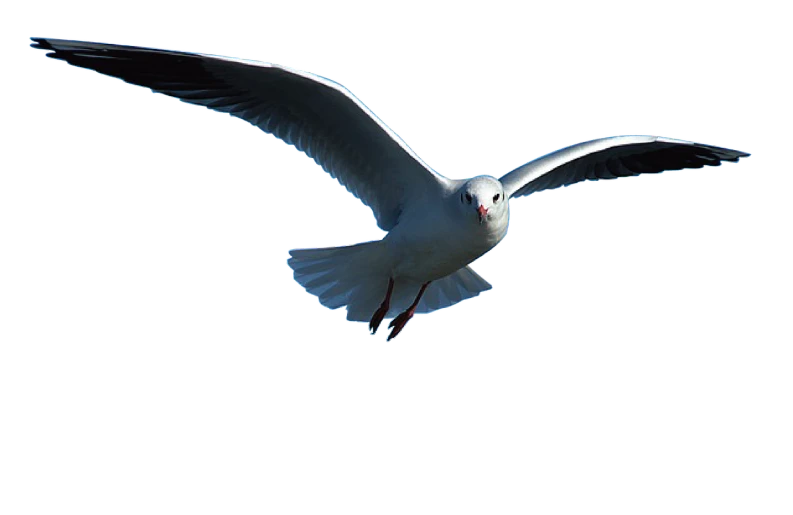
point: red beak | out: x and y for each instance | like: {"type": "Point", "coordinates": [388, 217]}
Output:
{"type": "Point", "coordinates": [482, 210]}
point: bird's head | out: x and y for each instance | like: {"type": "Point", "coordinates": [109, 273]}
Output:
{"type": "Point", "coordinates": [482, 198]}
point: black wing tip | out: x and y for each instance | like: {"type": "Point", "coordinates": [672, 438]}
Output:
{"type": "Point", "coordinates": [720, 154]}
{"type": "Point", "coordinates": [51, 43]}
{"type": "Point", "coordinates": [41, 44]}
{"type": "Point", "coordinates": [45, 40]}
{"type": "Point", "coordinates": [733, 155]}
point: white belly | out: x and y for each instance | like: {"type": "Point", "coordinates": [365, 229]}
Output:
{"type": "Point", "coordinates": [423, 251]}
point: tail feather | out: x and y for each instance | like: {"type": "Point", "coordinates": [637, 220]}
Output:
{"type": "Point", "coordinates": [336, 296]}
{"type": "Point", "coordinates": [430, 300]}
{"type": "Point", "coordinates": [353, 276]}
{"type": "Point", "coordinates": [365, 299]}
{"type": "Point", "coordinates": [447, 291]}
{"type": "Point", "coordinates": [357, 276]}
{"type": "Point", "coordinates": [450, 291]}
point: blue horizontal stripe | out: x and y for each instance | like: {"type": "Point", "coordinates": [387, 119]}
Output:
{"type": "Point", "coordinates": [467, 43]}
{"type": "Point", "coordinates": [572, 84]}
{"type": "Point", "coordinates": [570, 76]}
{"type": "Point", "coordinates": [428, 147]}
{"type": "Point", "coordinates": [651, 228]}
{"type": "Point", "coordinates": [177, 204]}
{"type": "Point", "coordinates": [109, 260]}
{"type": "Point", "coordinates": [67, 92]}
{"type": "Point", "coordinates": [557, 108]}
{"type": "Point", "coordinates": [603, 324]}
{"type": "Point", "coordinates": [522, 114]}
{"type": "Point", "coordinates": [109, 131]}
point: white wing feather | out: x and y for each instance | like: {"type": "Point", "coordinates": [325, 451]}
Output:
{"type": "Point", "coordinates": [609, 158]}
{"type": "Point", "coordinates": [318, 116]}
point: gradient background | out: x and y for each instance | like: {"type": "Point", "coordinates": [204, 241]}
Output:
{"type": "Point", "coordinates": [120, 208]}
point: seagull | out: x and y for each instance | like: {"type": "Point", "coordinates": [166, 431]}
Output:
{"type": "Point", "coordinates": [435, 226]}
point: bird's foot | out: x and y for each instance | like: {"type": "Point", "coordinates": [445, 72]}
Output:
{"type": "Point", "coordinates": [399, 322]}
{"type": "Point", "coordinates": [382, 311]}
{"type": "Point", "coordinates": [378, 317]}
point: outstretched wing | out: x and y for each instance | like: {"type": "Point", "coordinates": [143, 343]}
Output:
{"type": "Point", "coordinates": [318, 116]}
{"type": "Point", "coordinates": [609, 158]}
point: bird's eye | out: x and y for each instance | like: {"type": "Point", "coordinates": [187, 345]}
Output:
{"type": "Point", "coordinates": [496, 197]}
{"type": "Point", "coordinates": [469, 198]}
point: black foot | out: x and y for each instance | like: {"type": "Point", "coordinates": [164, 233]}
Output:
{"type": "Point", "coordinates": [399, 322]}
{"type": "Point", "coordinates": [378, 317]}
{"type": "Point", "coordinates": [381, 312]}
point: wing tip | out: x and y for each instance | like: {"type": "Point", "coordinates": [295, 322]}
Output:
{"type": "Point", "coordinates": [41, 43]}
{"type": "Point", "coordinates": [736, 154]}
{"type": "Point", "coordinates": [60, 47]}
{"type": "Point", "coordinates": [724, 154]}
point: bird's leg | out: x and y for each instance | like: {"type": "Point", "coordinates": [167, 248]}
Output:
{"type": "Point", "coordinates": [399, 322]}
{"type": "Point", "coordinates": [378, 316]}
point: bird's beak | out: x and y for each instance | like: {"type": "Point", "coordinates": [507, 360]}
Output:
{"type": "Point", "coordinates": [482, 210]}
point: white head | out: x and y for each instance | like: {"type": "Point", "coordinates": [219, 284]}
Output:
{"type": "Point", "coordinates": [482, 199]}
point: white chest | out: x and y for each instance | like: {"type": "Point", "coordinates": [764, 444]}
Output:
{"type": "Point", "coordinates": [430, 247]}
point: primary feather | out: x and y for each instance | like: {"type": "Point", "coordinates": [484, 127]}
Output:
{"type": "Point", "coordinates": [609, 158]}
{"type": "Point", "coordinates": [318, 116]}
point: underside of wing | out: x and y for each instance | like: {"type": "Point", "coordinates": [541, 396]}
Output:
{"type": "Point", "coordinates": [610, 158]}
{"type": "Point", "coordinates": [318, 116]}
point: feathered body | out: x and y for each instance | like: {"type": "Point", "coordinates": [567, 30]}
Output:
{"type": "Point", "coordinates": [436, 226]}
{"type": "Point", "coordinates": [432, 245]}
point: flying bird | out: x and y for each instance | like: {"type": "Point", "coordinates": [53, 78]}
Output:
{"type": "Point", "coordinates": [435, 226]}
